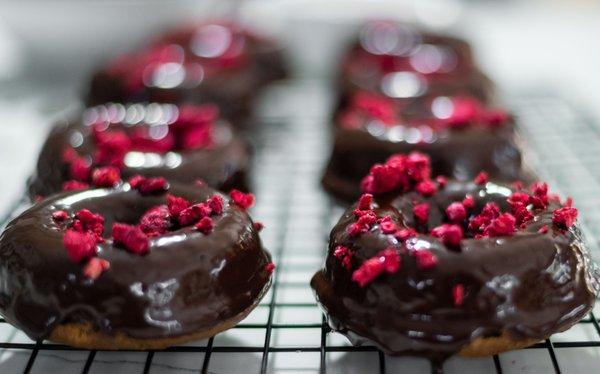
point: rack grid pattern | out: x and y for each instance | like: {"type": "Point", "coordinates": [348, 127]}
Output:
{"type": "Point", "coordinates": [287, 333]}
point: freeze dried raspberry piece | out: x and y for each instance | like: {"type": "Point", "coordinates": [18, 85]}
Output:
{"type": "Point", "coordinates": [421, 213]}
{"type": "Point", "coordinates": [95, 267]}
{"type": "Point", "coordinates": [425, 259]}
{"type": "Point", "coordinates": [365, 201]}
{"type": "Point", "coordinates": [193, 214]}
{"type": "Point", "coordinates": [458, 294]}
{"type": "Point", "coordinates": [469, 202]}
{"type": "Point", "coordinates": [85, 220]}
{"type": "Point", "coordinates": [156, 221]}
{"type": "Point", "coordinates": [176, 205]}
{"type": "Point", "coordinates": [345, 255]}
{"type": "Point", "coordinates": [73, 185]}
{"type": "Point", "coordinates": [147, 186]}
{"type": "Point", "coordinates": [504, 225]}
{"type": "Point", "coordinates": [270, 267]}
{"type": "Point", "coordinates": [363, 224]}
{"type": "Point", "coordinates": [241, 199]}
{"type": "Point", "coordinates": [258, 226]}
{"type": "Point", "coordinates": [112, 146]}
{"type": "Point", "coordinates": [216, 204]}
{"type": "Point", "coordinates": [107, 176]}
{"type": "Point", "coordinates": [60, 215]}
{"type": "Point", "coordinates": [426, 188]}
{"type": "Point", "coordinates": [79, 245]}
{"type": "Point", "coordinates": [79, 169]}
{"type": "Point", "coordinates": [564, 217]}
{"type": "Point", "coordinates": [131, 237]}
{"type": "Point", "coordinates": [386, 261]}
{"type": "Point", "coordinates": [456, 212]}
{"type": "Point", "coordinates": [481, 178]}
{"type": "Point", "coordinates": [205, 225]}
{"type": "Point", "coordinates": [450, 235]}
{"type": "Point", "coordinates": [387, 225]}
{"type": "Point", "coordinates": [405, 234]}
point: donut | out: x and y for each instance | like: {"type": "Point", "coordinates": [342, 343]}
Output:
{"type": "Point", "coordinates": [144, 265]}
{"type": "Point", "coordinates": [402, 62]}
{"type": "Point", "coordinates": [461, 135]}
{"type": "Point", "coordinates": [437, 267]}
{"type": "Point", "coordinates": [218, 62]}
{"type": "Point", "coordinates": [181, 143]}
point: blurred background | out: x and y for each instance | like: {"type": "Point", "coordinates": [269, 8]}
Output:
{"type": "Point", "coordinates": [49, 48]}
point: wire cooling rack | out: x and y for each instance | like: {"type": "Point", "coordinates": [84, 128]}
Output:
{"type": "Point", "coordinates": [286, 333]}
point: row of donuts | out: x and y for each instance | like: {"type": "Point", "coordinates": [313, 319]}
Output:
{"type": "Point", "coordinates": [451, 246]}
{"type": "Point", "coordinates": [129, 243]}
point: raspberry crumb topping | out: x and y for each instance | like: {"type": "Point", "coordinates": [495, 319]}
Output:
{"type": "Point", "coordinates": [344, 255]}
{"type": "Point", "coordinates": [386, 261]}
{"type": "Point", "coordinates": [95, 267]}
{"type": "Point", "coordinates": [205, 225]}
{"type": "Point", "coordinates": [458, 294]}
{"type": "Point", "coordinates": [363, 225]}
{"type": "Point", "coordinates": [543, 229]}
{"type": "Point", "coordinates": [564, 217]}
{"type": "Point", "coordinates": [194, 213]}
{"type": "Point", "coordinates": [148, 186]}
{"type": "Point", "coordinates": [176, 205]}
{"type": "Point", "coordinates": [131, 237]}
{"type": "Point", "coordinates": [216, 204]}
{"type": "Point", "coordinates": [365, 201]}
{"type": "Point", "coordinates": [405, 234]}
{"type": "Point", "coordinates": [107, 176]}
{"type": "Point", "coordinates": [241, 199]}
{"type": "Point", "coordinates": [469, 202]}
{"type": "Point", "coordinates": [270, 267]}
{"type": "Point", "coordinates": [425, 259]}
{"type": "Point", "coordinates": [451, 235]}
{"type": "Point", "coordinates": [441, 181]}
{"type": "Point", "coordinates": [400, 172]}
{"type": "Point", "coordinates": [503, 225]}
{"type": "Point", "coordinates": [258, 226]}
{"type": "Point", "coordinates": [421, 213]}
{"type": "Point", "coordinates": [456, 212]}
{"type": "Point", "coordinates": [60, 215]}
{"type": "Point", "coordinates": [73, 185]}
{"type": "Point", "coordinates": [387, 225]}
{"type": "Point", "coordinates": [156, 221]}
{"type": "Point", "coordinates": [80, 245]}
{"type": "Point", "coordinates": [426, 188]}
{"type": "Point", "coordinates": [481, 178]}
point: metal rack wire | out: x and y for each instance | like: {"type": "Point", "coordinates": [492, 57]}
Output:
{"type": "Point", "coordinates": [287, 333]}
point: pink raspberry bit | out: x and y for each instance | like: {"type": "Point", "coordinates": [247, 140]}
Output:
{"type": "Point", "coordinates": [258, 226]}
{"type": "Point", "coordinates": [60, 215]}
{"type": "Point", "coordinates": [79, 245]}
{"type": "Point", "coordinates": [441, 181]}
{"type": "Point", "coordinates": [79, 169]}
{"type": "Point", "coordinates": [450, 235]}
{"type": "Point", "coordinates": [421, 213]}
{"type": "Point", "coordinates": [176, 205]}
{"type": "Point", "coordinates": [543, 230]}
{"type": "Point", "coordinates": [216, 204]}
{"type": "Point", "coordinates": [194, 213]}
{"type": "Point", "coordinates": [458, 294]}
{"type": "Point", "coordinates": [564, 217]}
{"type": "Point", "coordinates": [130, 237]}
{"type": "Point", "coordinates": [469, 202]}
{"type": "Point", "coordinates": [504, 225]}
{"type": "Point", "coordinates": [387, 225]}
{"type": "Point", "coordinates": [107, 176]}
{"type": "Point", "coordinates": [365, 202]}
{"type": "Point", "coordinates": [205, 225]}
{"type": "Point", "coordinates": [405, 234]}
{"type": "Point", "coordinates": [456, 212]}
{"type": "Point", "coordinates": [241, 199]}
{"type": "Point", "coordinates": [426, 188]}
{"type": "Point", "coordinates": [386, 261]}
{"type": "Point", "coordinates": [344, 254]}
{"type": "Point", "coordinates": [73, 185]}
{"type": "Point", "coordinates": [481, 178]}
{"type": "Point", "coordinates": [425, 259]}
{"type": "Point", "coordinates": [156, 221]}
{"type": "Point", "coordinates": [148, 186]}
{"type": "Point", "coordinates": [270, 267]}
{"type": "Point", "coordinates": [95, 267]}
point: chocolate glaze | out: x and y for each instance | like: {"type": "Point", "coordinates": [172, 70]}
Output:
{"type": "Point", "coordinates": [227, 68]}
{"type": "Point", "coordinates": [529, 285]}
{"type": "Point", "coordinates": [458, 153]}
{"type": "Point", "coordinates": [186, 283]}
{"type": "Point", "coordinates": [223, 165]}
{"type": "Point", "coordinates": [402, 62]}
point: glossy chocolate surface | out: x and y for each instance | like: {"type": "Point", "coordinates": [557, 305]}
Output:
{"type": "Point", "coordinates": [222, 165]}
{"type": "Point", "coordinates": [529, 285]}
{"type": "Point", "coordinates": [186, 283]}
{"type": "Point", "coordinates": [210, 62]}
{"type": "Point", "coordinates": [404, 63]}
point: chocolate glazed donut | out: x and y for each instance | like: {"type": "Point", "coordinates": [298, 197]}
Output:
{"type": "Point", "coordinates": [398, 275]}
{"type": "Point", "coordinates": [184, 144]}
{"type": "Point", "coordinates": [133, 291]}
{"type": "Point", "coordinates": [470, 137]}
{"type": "Point", "coordinates": [212, 62]}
